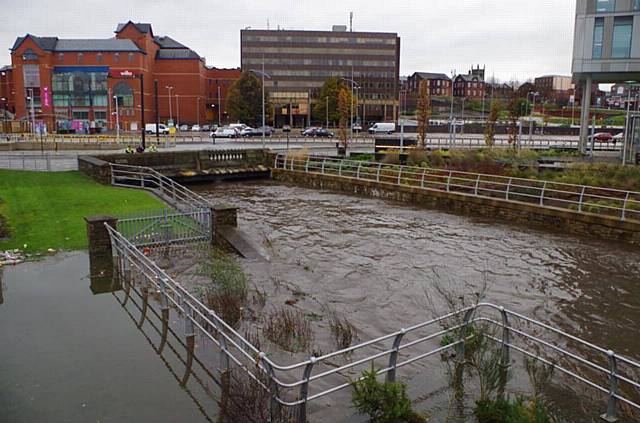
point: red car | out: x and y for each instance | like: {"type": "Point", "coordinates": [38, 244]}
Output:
{"type": "Point", "coordinates": [602, 137]}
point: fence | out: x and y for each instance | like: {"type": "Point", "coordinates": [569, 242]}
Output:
{"type": "Point", "coordinates": [613, 376]}
{"type": "Point", "coordinates": [39, 162]}
{"type": "Point", "coordinates": [166, 227]}
{"type": "Point", "coordinates": [172, 192]}
{"type": "Point", "coordinates": [122, 139]}
{"type": "Point", "coordinates": [443, 143]}
{"type": "Point", "coordinates": [580, 198]}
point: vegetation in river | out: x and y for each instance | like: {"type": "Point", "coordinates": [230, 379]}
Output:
{"type": "Point", "coordinates": [342, 330]}
{"type": "Point", "coordinates": [383, 402]}
{"type": "Point", "coordinates": [289, 329]}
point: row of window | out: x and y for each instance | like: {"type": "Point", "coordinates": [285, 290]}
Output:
{"type": "Point", "coordinates": [99, 57]}
{"type": "Point", "coordinates": [317, 62]}
{"type": "Point", "coordinates": [80, 82]}
{"type": "Point", "coordinates": [320, 51]}
{"type": "Point", "coordinates": [312, 40]}
{"type": "Point", "coordinates": [329, 73]}
{"type": "Point", "coordinates": [610, 5]}
{"type": "Point", "coordinates": [622, 37]}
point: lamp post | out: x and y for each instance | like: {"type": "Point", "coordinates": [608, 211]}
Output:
{"type": "Point", "coordinates": [533, 107]}
{"type": "Point", "coordinates": [263, 74]}
{"type": "Point", "coordinates": [452, 128]}
{"type": "Point", "coordinates": [219, 108]}
{"type": "Point", "coordinates": [327, 112]}
{"type": "Point", "coordinates": [178, 110]}
{"type": "Point", "coordinates": [169, 88]}
{"type": "Point", "coordinates": [117, 119]}
{"type": "Point", "coordinates": [353, 85]}
{"type": "Point", "coordinates": [32, 112]}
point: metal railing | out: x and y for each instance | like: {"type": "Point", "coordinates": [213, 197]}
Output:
{"type": "Point", "coordinates": [616, 378]}
{"type": "Point", "coordinates": [102, 138]}
{"type": "Point", "coordinates": [39, 162]}
{"type": "Point", "coordinates": [166, 227]}
{"type": "Point", "coordinates": [479, 142]}
{"type": "Point", "coordinates": [166, 188]}
{"type": "Point", "coordinates": [621, 204]}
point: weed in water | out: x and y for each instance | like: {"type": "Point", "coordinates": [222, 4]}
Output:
{"type": "Point", "coordinates": [289, 329]}
{"type": "Point", "coordinates": [343, 332]}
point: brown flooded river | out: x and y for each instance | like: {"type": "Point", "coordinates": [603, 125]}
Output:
{"type": "Point", "coordinates": [377, 261]}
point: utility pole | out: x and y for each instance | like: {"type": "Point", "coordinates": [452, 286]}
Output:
{"type": "Point", "coordinates": [32, 112]}
{"type": "Point", "coordinates": [219, 107]}
{"type": "Point", "coordinates": [169, 88]}
{"type": "Point", "coordinates": [117, 119]}
{"type": "Point", "coordinates": [327, 112]}
{"type": "Point", "coordinates": [452, 127]}
{"type": "Point", "coordinates": [308, 108]}
{"type": "Point", "coordinates": [177, 110]}
{"type": "Point", "coordinates": [155, 94]}
{"type": "Point", "coordinates": [198, 110]}
{"type": "Point", "coordinates": [263, 74]}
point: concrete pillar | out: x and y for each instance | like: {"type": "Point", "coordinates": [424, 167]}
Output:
{"type": "Point", "coordinates": [584, 116]}
{"type": "Point", "coordinates": [222, 216]}
{"type": "Point", "coordinates": [100, 254]}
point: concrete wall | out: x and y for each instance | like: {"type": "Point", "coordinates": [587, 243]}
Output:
{"type": "Point", "coordinates": [528, 214]}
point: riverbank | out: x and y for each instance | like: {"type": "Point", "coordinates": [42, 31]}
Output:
{"type": "Point", "coordinates": [45, 210]}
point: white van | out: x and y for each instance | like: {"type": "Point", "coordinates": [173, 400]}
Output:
{"type": "Point", "coordinates": [150, 128]}
{"type": "Point", "coordinates": [388, 128]}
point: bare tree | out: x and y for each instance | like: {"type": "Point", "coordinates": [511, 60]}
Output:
{"type": "Point", "coordinates": [490, 128]}
{"type": "Point", "coordinates": [423, 113]}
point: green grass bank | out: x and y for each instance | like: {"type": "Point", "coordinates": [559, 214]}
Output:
{"type": "Point", "coordinates": [46, 210]}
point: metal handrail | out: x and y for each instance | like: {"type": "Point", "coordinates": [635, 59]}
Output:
{"type": "Point", "coordinates": [235, 347]}
{"type": "Point", "coordinates": [623, 204]}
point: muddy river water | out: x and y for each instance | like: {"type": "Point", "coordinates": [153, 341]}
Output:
{"type": "Point", "coordinates": [67, 354]}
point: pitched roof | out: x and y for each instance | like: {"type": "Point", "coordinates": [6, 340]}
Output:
{"type": "Point", "coordinates": [167, 42]}
{"type": "Point", "coordinates": [430, 75]}
{"type": "Point", "coordinates": [45, 43]}
{"type": "Point", "coordinates": [142, 27]}
{"type": "Point", "coordinates": [109, 44]}
{"type": "Point", "coordinates": [470, 77]}
{"type": "Point", "coordinates": [175, 53]}
{"type": "Point", "coordinates": [56, 44]}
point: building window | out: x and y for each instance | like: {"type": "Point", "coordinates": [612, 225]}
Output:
{"type": "Point", "coordinates": [60, 57]}
{"type": "Point", "coordinates": [636, 5]}
{"type": "Point", "coordinates": [124, 94]}
{"type": "Point", "coordinates": [622, 32]}
{"type": "Point", "coordinates": [598, 34]}
{"type": "Point", "coordinates": [99, 57]}
{"type": "Point", "coordinates": [116, 57]}
{"type": "Point", "coordinates": [605, 5]}
{"type": "Point", "coordinates": [80, 57]}
{"type": "Point", "coordinates": [130, 57]}
{"type": "Point", "coordinates": [31, 74]}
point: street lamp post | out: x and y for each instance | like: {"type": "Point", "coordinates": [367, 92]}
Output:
{"type": "Point", "coordinates": [169, 88]}
{"type": "Point", "coordinates": [327, 112]}
{"type": "Point", "coordinates": [533, 107]}
{"type": "Point", "coordinates": [32, 112]}
{"type": "Point", "coordinates": [117, 119]}
{"type": "Point", "coordinates": [219, 108]}
{"type": "Point", "coordinates": [452, 127]}
{"type": "Point", "coordinates": [263, 74]}
{"type": "Point", "coordinates": [353, 84]}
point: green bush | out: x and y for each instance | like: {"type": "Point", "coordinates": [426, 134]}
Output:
{"type": "Point", "coordinates": [517, 410]}
{"type": "Point", "coordinates": [383, 402]}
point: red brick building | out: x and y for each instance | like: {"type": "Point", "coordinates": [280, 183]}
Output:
{"type": "Point", "coordinates": [7, 91]}
{"type": "Point", "coordinates": [470, 85]}
{"type": "Point", "coordinates": [439, 84]}
{"type": "Point", "coordinates": [75, 84]}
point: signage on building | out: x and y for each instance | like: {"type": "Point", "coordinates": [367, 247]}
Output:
{"type": "Point", "coordinates": [123, 73]}
{"type": "Point", "coordinates": [46, 101]}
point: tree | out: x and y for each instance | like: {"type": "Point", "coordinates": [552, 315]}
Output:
{"type": "Point", "coordinates": [244, 101]}
{"type": "Point", "coordinates": [490, 128]}
{"type": "Point", "coordinates": [331, 90]}
{"type": "Point", "coordinates": [423, 113]}
{"type": "Point", "coordinates": [515, 108]}
{"type": "Point", "coordinates": [343, 111]}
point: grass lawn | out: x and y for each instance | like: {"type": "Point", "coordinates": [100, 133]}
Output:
{"type": "Point", "coordinates": [46, 210]}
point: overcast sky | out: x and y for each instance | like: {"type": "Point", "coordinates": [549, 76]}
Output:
{"type": "Point", "coordinates": [515, 39]}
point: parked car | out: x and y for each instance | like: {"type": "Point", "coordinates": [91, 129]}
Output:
{"type": "Point", "coordinates": [381, 127]}
{"type": "Point", "coordinates": [309, 130]}
{"type": "Point", "coordinates": [602, 137]}
{"type": "Point", "coordinates": [268, 131]}
{"type": "Point", "coordinates": [238, 126]}
{"type": "Point", "coordinates": [183, 128]}
{"type": "Point", "coordinates": [205, 128]}
{"type": "Point", "coordinates": [247, 132]}
{"type": "Point", "coordinates": [150, 128]}
{"type": "Point", "coordinates": [195, 128]}
{"type": "Point", "coordinates": [357, 127]}
{"type": "Point", "coordinates": [320, 133]}
{"type": "Point", "coordinates": [225, 132]}
{"type": "Point", "coordinates": [618, 137]}
{"type": "Point", "coordinates": [286, 128]}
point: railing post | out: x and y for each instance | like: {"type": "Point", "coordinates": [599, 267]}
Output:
{"type": "Point", "coordinates": [340, 168]}
{"type": "Point", "coordinates": [358, 172]}
{"type": "Point", "coordinates": [304, 390]}
{"type": "Point", "coordinates": [275, 162]}
{"type": "Point", "coordinates": [449, 179]}
{"type": "Point", "coordinates": [610, 415]}
{"type": "Point", "coordinates": [424, 171]}
{"type": "Point", "coordinates": [544, 188]}
{"type": "Point", "coordinates": [463, 334]}
{"type": "Point", "coordinates": [505, 336]}
{"type": "Point", "coordinates": [273, 387]}
{"type": "Point", "coordinates": [306, 165]}
{"type": "Point", "coordinates": [508, 188]}
{"type": "Point", "coordinates": [581, 199]}
{"type": "Point", "coordinates": [393, 357]}
{"type": "Point", "coordinates": [400, 175]}
{"type": "Point", "coordinates": [477, 185]}
{"type": "Point", "coordinates": [293, 158]}
{"type": "Point", "coordinates": [624, 206]}
{"type": "Point", "coordinates": [323, 163]}
{"type": "Point", "coordinates": [378, 172]}
{"type": "Point", "coordinates": [224, 354]}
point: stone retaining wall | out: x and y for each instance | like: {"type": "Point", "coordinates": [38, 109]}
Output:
{"type": "Point", "coordinates": [559, 219]}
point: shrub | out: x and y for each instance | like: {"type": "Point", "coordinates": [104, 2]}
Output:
{"type": "Point", "coordinates": [289, 329]}
{"type": "Point", "coordinates": [228, 292]}
{"type": "Point", "coordinates": [342, 330]}
{"type": "Point", "coordinates": [383, 402]}
{"type": "Point", "coordinates": [519, 410]}
{"type": "Point", "coordinates": [418, 157]}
